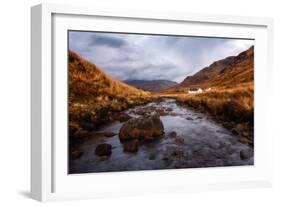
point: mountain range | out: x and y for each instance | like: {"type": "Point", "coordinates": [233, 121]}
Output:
{"type": "Point", "coordinates": [86, 79]}
{"type": "Point", "coordinates": [229, 72]}
{"type": "Point", "coordinates": [151, 85]}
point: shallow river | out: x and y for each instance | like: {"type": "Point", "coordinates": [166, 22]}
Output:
{"type": "Point", "coordinates": [206, 144]}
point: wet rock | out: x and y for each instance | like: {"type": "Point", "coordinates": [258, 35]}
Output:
{"type": "Point", "coordinates": [152, 156]}
{"type": "Point", "coordinates": [133, 111]}
{"type": "Point", "coordinates": [243, 140]}
{"type": "Point", "coordinates": [246, 153]}
{"type": "Point", "coordinates": [109, 134]}
{"type": "Point", "coordinates": [227, 125]}
{"type": "Point", "coordinates": [72, 129]}
{"type": "Point", "coordinates": [78, 138]}
{"type": "Point", "coordinates": [147, 127]}
{"type": "Point", "coordinates": [103, 149]}
{"type": "Point", "coordinates": [173, 134]}
{"type": "Point", "coordinates": [239, 127]}
{"type": "Point", "coordinates": [165, 158]}
{"type": "Point", "coordinates": [162, 112]}
{"type": "Point", "coordinates": [141, 112]}
{"type": "Point", "coordinates": [234, 131]}
{"type": "Point", "coordinates": [131, 146]}
{"type": "Point", "coordinates": [178, 153]}
{"type": "Point", "coordinates": [124, 117]}
{"type": "Point", "coordinates": [75, 153]}
{"type": "Point", "coordinates": [80, 133]}
{"type": "Point", "coordinates": [179, 140]}
{"type": "Point", "coordinates": [245, 134]}
{"type": "Point", "coordinates": [189, 118]}
{"type": "Point", "coordinates": [89, 126]}
{"type": "Point", "coordinates": [251, 142]}
{"type": "Point", "coordinates": [169, 109]}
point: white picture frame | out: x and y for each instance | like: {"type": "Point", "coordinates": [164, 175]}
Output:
{"type": "Point", "coordinates": [49, 178]}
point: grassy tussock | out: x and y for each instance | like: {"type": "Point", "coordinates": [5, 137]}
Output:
{"type": "Point", "coordinates": [230, 104]}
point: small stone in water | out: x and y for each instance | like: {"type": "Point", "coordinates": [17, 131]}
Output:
{"type": "Point", "coordinates": [103, 149]}
{"type": "Point", "coordinates": [152, 156]}
{"type": "Point", "coordinates": [179, 140]}
{"type": "Point", "coordinates": [165, 158]}
{"type": "Point", "coordinates": [173, 134]}
{"type": "Point", "coordinates": [246, 153]}
{"type": "Point", "coordinates": [109, 134]}
{"type": "Point", "coordinates": [75, 153]}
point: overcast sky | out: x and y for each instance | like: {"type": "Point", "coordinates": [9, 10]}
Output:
{"type": "Point", "coordinates": [150, 57]}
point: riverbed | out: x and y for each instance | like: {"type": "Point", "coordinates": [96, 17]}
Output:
{"type": "Point", "coordinates": [203, 143]}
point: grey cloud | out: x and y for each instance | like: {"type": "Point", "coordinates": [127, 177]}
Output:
{"type": "Point", "coordinates": [148, 57]}
{"type": "Point", "coordinates": [110, 41]}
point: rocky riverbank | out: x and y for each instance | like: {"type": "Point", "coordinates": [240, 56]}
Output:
{"type": "Point", "coordinates": [158, 135]}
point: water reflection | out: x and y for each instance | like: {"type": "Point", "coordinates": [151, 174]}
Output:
{"type": "Point", "coordinates": [203, 143]}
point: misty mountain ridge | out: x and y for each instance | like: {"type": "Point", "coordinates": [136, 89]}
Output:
{"type": "Point", "coordinates": [151, 85]}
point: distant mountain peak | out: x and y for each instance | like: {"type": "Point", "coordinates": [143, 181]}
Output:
{"type": "Point", "coordinates": [151, 85]}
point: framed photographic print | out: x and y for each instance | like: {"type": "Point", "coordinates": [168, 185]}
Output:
{"type": "Point", "coordinates": [133, 102]}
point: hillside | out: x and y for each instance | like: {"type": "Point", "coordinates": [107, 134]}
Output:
{"type": "Point", "coordinates": [231, 100]}
{"type": "Point", "coordinates": [95, 98]}
{"type": "Point", "coordinates": [93, 95]}
{"type": "Point", "coordinates": [229, 72]}
{"type": "Point", "coordinates": [151, 85]}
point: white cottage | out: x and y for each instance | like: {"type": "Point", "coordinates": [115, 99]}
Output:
{"type": "Point", "coordinates": [195, 90]}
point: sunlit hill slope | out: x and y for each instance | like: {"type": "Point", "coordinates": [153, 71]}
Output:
{"type": "Point", "coordinates": [93, 95]}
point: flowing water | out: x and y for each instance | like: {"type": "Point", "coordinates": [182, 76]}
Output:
{"type": "Point", "coordinates": [206, 144]}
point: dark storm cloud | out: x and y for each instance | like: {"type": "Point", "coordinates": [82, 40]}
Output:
{"type": "Point", "coordinates": [110, 41]}
{"type": "Point", "coordinates": [147, 71]}
{"type": "Point", "coordinates": [148, 57]}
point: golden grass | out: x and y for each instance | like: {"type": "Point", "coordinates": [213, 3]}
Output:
{"type": "Point", "coordinates": [94, 95]}
{"type": "Point", "coordinates": [232, 104]}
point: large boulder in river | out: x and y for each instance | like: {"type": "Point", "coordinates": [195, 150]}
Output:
{"type": "Point", "coordinates": [124, 117]}
{"type": "Point", "coordinates": [146, 127]}
{"type": "Point", "coordinates": [121, 116]}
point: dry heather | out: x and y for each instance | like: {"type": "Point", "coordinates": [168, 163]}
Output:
{"type": "Point", "coordinates": [230, 72]}
{"type": "Point", "coordinates": [94, 96]}
{"type": "Point", "coordinates": [229, 104]}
